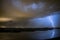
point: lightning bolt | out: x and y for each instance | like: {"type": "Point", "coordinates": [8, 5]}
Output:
{"type": "Point", "coordinates": [52, 23]}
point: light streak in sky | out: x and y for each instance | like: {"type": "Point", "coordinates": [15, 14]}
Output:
{"type": "Point", "coordinates": [51, 20]}
{"type": "Point", "coordinates": [5, 19]}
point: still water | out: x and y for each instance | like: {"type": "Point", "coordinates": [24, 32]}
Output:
{"type": "Point", "coordinates": [36, 35]}
{"type": "Point", "coordinates": [37, 15]}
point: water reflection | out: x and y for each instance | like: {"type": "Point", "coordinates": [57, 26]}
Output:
{"type": "Point", "coordinates": [31, 35]}
{"type": "Point", "coordinates": [43, 34]}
